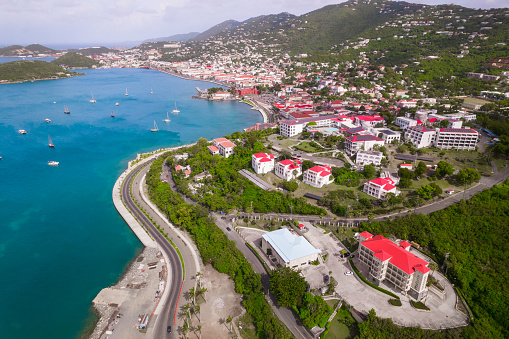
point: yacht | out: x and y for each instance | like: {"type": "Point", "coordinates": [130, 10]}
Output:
{"type": "Point", "coordinates": [167, 118]}
{"type": "Point", "coordinates": [116, 104]}
{"type": "Point", "coordinates": [22, 131]}
{"type": "Point", "coordinates": [47, 120]}
{"type": "Point", "coordinates": [155, 129]}
{"type": "Point", "coordinates": [175, 111]}
{"type": "Point", "coordinates": [53, 163]}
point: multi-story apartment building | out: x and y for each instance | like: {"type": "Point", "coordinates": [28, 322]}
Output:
{"type": "Point", "coordinates": [368, 120]}
{"type": "Point", "coordinates": [405, 123]}
{"type": "Point", "coordinates": [318, 176]}
{"type": "Point", "coordinates": [393, 264]}
{"type": "Point", "coordinates": [288, 169]}
{"type": "Point", "coordinates": [355, 143]}
{"type": "Point", "coordinates": [290, 128]}
{"type": "Point", "coordinates": [420, 136]}
{"type": "Point", "coordinates": [456, 138]}
{"type": "Point", "coordinates": [224, 147]}
{"type": "Point", "coordinates": [387, 135]}
{"type": "Point", "coordinates": [369, 157]}
{"type": "Point", "coordinates": [262, 162]}
{"type": "Point", "coordinates": [379, 188]}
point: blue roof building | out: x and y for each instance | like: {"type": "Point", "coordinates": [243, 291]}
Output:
{"type": "Point", "coordinates": [288, 249]}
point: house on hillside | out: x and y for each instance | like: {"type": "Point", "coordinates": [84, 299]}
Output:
{"type": "Point", "coordinates": [262, 162]}
{"type": "Point", "coordinates": [318, 176]}
{"type": "Point", "coordinates": [288, 169]}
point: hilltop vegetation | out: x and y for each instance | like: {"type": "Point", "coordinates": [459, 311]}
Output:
{"type": "Point", "coordinates": [75, 60]}
{"type": "Point", "coordinates": [91, 51]}
{"type": "Point", "coordinates": [18, 50]}
{"type": "Point", "coordinates": [19, 71]}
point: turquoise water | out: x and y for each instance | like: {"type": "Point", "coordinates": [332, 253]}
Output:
{"type": "Point", "coordinates": [61, 239]}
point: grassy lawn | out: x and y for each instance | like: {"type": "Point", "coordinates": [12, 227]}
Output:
{"type": "Point", "coordinates": [476, 101]}
{"type": "Point", "coordinates": [343, 325]}
{"type": "Point", "coordinates": [288, 143]}
{"type": "Point", "coordinates": [332, 303]}
{"type": "Point", "coordinates": [306, 147]}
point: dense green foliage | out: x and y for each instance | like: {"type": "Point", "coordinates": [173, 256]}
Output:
{"type": "Point", "coordinates": [287, 285]}
{"type": "Point", "coordinates": [228, 189]}
{"type": "Point", "coordinates": [475, 233]}
{"type": "Point", "coordinates": [75, 60]}
{"type": "Point", "coordinates": [314, 311]}
{"type": "Point", "coordinates": [31, 70]}
{"type": "Point", "coordinates": [216, 249]}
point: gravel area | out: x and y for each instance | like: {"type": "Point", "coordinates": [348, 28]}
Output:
{"type": "Point", "coordinates": [137, 293]}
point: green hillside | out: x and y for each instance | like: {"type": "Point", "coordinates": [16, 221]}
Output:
{"type": "Point", "coordinates": [75, 60]}
{"type": "Point", "coordinates": [90, 51]}
{"type": "Point", "coordinates": [18, 50]}
{"type": "Point", "coordinates": [223, 26]}
{"type": "Point", "coordinates": [19, 71]}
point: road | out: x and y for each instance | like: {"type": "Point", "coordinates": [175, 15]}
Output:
{"type": "Point", "coordinates": [284, 314]}
{"type": "Point", "coordinates": [175, 274]}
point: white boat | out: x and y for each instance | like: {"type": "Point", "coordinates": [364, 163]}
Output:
{"type": "Point", "coordinates": [175, 111]}
{"type": "Point", "coordinates": [22, 131]}
{"type": "Point", "coordinates": [92, 100]}
{"type": "Point", "coordinates": [155, 129]}
{"type": "Point", "coordinates": [167, 118]}
{"type": "Point", "coordinates": [54, 102]}
{"type": "Point", "coordinates": [126, 94]}
{"type": "Point", "coordinates": [151, 92]}
{"type": "Point", "coordinates": [50, 143]}
{"type": "Point", "coordinates": [53, 163]}
{"type": "Point", "coordinates": [116, 104]}
{"type": "Point", "coordinates": [47, 120]}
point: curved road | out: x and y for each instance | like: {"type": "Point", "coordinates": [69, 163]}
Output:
{"type": "Point", "coordinates": [175, 274]}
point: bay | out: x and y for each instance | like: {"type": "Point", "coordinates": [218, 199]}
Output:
{"type": "Point", "coordinates": [61, 239]}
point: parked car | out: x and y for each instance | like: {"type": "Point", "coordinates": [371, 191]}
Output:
{"type": "Point", "coordinates": [228, 229]}
{"type": "Point", "coordinates": [347, 254]}
{"type": "Point", "coordinates": [326, 279]}
{"type": "Point", "coordinates": [348, 273]}
{"type": "Point", "coordinates": [168, 329]}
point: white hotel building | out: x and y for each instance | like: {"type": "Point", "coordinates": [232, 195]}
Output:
{"type": "Point", "coordinates": [262, 162]}
{"type": "Point", "coordinates": [288, 169]}
{"type": "Point", "coordinates": [393, 264]}
{"type": "Point", "coordinates": [457, 138]}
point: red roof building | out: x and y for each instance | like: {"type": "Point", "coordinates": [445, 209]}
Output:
{"type": "Point", "coordinates": [288, 169]}
{"type": "Point", "coordinates": [394, 264]}
{"type": "Point", "coordinates": [379, 188]}
{"type": "Point", "coordinates": [262, 162]}
{"type": "Point", "coordinates": [318, 176]}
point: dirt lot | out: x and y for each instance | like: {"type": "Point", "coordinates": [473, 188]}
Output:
{"type": "Point", "coordinates": [221, 302]}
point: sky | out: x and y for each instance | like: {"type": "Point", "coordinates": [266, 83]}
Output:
{"type": "Point", "coordinates": [110, 22]}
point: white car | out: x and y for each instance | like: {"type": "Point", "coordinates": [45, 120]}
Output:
{"type": "Point", "coordinates": [348, 273]}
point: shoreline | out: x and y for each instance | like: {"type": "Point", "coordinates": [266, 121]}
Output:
{"type": "Point", "coordinates": [33, 80]}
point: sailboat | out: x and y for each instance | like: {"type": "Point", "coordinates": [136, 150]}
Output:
{"type": "Point", "coordinates": [112, 115]}
{"type": "Point", "coordinates": [151, 92]}
{"type": "Point", "coordinates": [92, 100]}
{"type": "Point", "coordinates": [66, 110]}
{"type": "Point", "coordinates": [167, 118]}
{"type": "Point", "coordinates": [175, 111]}
{"type": "Point", "coordinates": [126, 94]}
{"type": "Point", "coordinates": [116, 104]}
{"type": "Point", "coordinates": [155, 129]}
{"type": "Point", "coordinates": [50, 143]}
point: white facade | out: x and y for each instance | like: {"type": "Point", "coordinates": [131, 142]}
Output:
{"type": "Point", "coordinates": [388, 135]}
{"type": "Point", "coordinates": [262, 162]}
{"type": "Point", "coordinates": [357, 142]}
{"type": "Point", "coordinates": [288, 169]}
{"type": "Point", "coordinates": [369, 157]}
{"type": "Point", "coordinates": [318, 176]}
{"type": "Point", "coordinates": [420, 136]}
{"type": "Point", "coordinates": [225, 147]}
{"type": "Point", "coordinates": [456, 138]}
{"type": "Point", "coordinates": [380, 187]}
{"type": "Point", "coordinates": [405, 123]}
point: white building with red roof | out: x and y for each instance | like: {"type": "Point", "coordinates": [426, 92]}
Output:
{"type": "Point", "coordinates": [318, 176]}
{"type": "Point", "coordinates": [380, 187]}
{"type": "Point", "coordinates": [393, 264]}
{"type": "Point", "coordinates": [262, 162]}
{"type": "Point", "coordinates": [213, 150]}
{"type": "Point", "coordinates": [288, 169]}
{"type": "Point", "coordinates": [357, 142]}
{"type": "Point", "coordinates": [225, 147]}
{"type": "Point", "coordinates": [369, 120]}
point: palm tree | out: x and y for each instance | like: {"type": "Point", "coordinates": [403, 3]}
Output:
{"type": "Point", "coordinates": [185, 329]}
{"type": "Point", "coordinates": [192, 294]}
{"type": "Point", "coordinates": [228, 321]}
{"type": "Point", "coordinates": [198, 328]}
{"type": "Point", "coordinates": [196, 311]}
{"type": "Point", "coordinates": [201, 291]}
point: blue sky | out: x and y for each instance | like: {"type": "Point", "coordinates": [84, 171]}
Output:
{"type": "Point", "coordinates": [110, 21]}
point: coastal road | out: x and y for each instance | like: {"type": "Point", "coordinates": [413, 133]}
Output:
{"type": "Point", "coordinates": [175, 274]}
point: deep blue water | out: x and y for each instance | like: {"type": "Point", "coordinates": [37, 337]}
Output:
{"type": "Point", "coordinates": [61, 239]}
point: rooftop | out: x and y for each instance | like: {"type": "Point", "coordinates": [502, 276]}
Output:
{"type": "Point", "coordinates": [288, 245]}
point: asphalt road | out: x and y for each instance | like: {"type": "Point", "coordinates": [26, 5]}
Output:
{"type": "Point", "coordinates": [175, 274]}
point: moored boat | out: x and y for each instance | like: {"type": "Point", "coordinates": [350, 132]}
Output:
{"type": "Point", "coordinates": [66, 110]}
{"type": "Point", "coordinates": [92, 100]}
{"type": "Point", "coordinates": [50, 143]}
{"type": "Point", "coordinates": [175, 111]}
{"type": "Point", "coordinates": [53, 163]}
{"type": "Point", "coordinates": [167, 118]}
{"type": "Point", "coordinates": [155, 129]}
{"type": "Point", "coordinates": [47, 120]}
{"type": "Point", "coordinates": [22, 131]}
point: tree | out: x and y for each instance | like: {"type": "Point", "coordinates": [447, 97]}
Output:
{"type": "Point", "coordinates": [405, 182]}
{"type": "Point", "coordinates": [467, 176]}
{"type": "Point", "coordinates": [369, 171]}
{"type": "Point", "coordinates": [287, 285]}
{"type": "Point", "coordinates": [444, 123]}
{"type": "Point", "coordinates": [420, 169]}
{"type": "Point", "coordinates": [425, 191]}
{"type": "Point", "coordinates": [443, 169]}
{"type": "Point", "coordinates": [405, 173]}
{"type": "Point", "coordinates": [291, 185]}
{"type": "Point", "coordinates": [307, 164]}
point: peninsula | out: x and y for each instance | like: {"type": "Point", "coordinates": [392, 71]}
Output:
{"type": "Point", "coordinates": [22, 71]}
